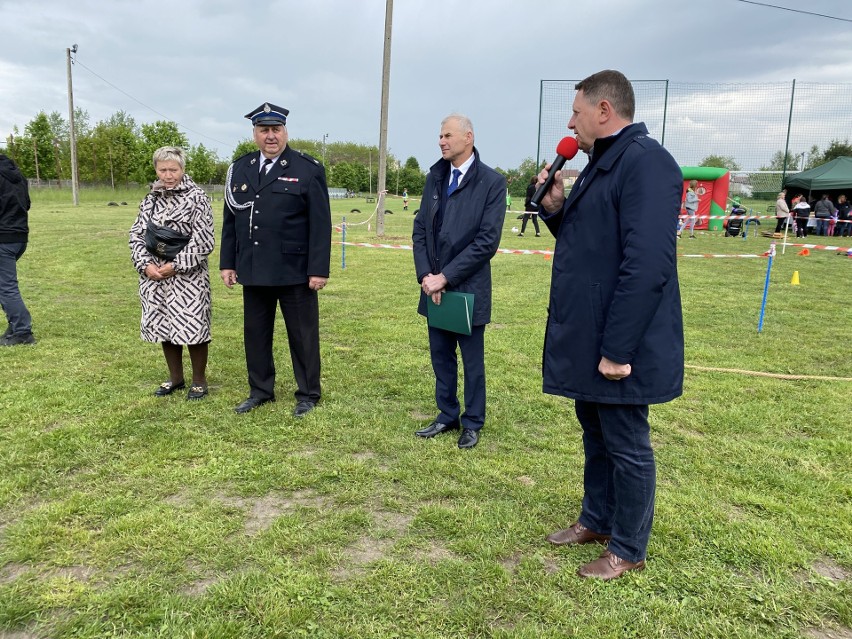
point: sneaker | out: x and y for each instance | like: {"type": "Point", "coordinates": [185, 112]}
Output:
{"type": "Point", "coordinates": [538, 234]}
{"type": "Point", "coordinates": [520, 234]}
{"type": "Point", "coordinates": [691, 237]}
{"type": "Point", "coordinates": [16, 340]}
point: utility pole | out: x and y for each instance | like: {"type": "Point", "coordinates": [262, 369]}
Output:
{"type": "Point", "coordinates": [35, 155]}
{"type": "Point", "coordinates": [324, 138]}
{"type": "Point", "coordinates": [383, 126]}
{"type": "Point", "coordinates": [74, 185]}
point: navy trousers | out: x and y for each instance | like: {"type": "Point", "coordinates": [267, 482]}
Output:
{"type": "Point", "coordinates": [442, 347]}
{"type": "Point", "coordinates": [300, 308]}
{"type": "Point", "coordinates": [620, 475]}
{"type": "Point", "coordinates": [20, 321]}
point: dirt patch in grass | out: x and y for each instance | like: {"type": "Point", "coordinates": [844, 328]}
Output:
{"type": "Point", "coordinates": [180, 499]}
{"type": "Point", "coordinates": [197, 588]}
{"type": "Point", "coordinates": [420, 417]}
{"type": "Point", "coordinates": [365, 456]}
{"type": "Point", "coordinates": [526, 481]}
{"type": "Point", "coordinates": [434, 554]}
{"type": "Point", "coordinates": [261, 512]}
{"type": "Point", "coordinates": [18, 634]}
{"type": "Point", "coordinates": [828, 633]}
{"type": "Point", "coordinates": [358, 555]}
{"type": "Point", "coordinates": [304, 453]}
{"type": "Point", "coordinates": [831, 570]}
{"type": "Point", "coordinates": [74, 573]}
{"type": "Point", "coordinates": [397, 522]}
{"type": "Point", "coordinates": [512, 562]}
{"type": "Point", "coordinates": [10, 572]}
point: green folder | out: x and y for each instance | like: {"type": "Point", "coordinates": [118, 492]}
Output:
{"type": "Point", "coordinates": [454, 313]}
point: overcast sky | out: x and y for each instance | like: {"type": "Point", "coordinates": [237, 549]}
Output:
{"type": "Point", "coordinates": [204, 64]}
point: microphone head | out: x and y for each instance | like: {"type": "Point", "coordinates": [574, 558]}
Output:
{"type": "Point", "coordinates": [567, 147]}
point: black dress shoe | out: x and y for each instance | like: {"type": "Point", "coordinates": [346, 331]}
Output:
{"type": "Point", "coordinates": [303, 407]}
{"type": "Point", "coordinates": [251, 403]}
{"type": "Point", "coordinates": [469, 438]}
{"type": "Point", "coordinates": [197, 391]}
{"type": "Point", "coordinates": [435, 428]}
{"type": "Point", "coordinates": [167, 388]}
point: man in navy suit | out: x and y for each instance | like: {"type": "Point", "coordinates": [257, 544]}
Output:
{"type": "Point", "coordinates": [276, 242]}
{"type": "Point", "coordinates": [456, 233]}
{"type": "Point", "coordinates": [614, 338]}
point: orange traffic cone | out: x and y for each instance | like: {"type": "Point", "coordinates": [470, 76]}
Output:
{"type": "Point", "coordinates": [547, 255]}
{"type": "Point", "coordinates": [795, 280]}
{"type": "Point", "coordinates": [804, 252]}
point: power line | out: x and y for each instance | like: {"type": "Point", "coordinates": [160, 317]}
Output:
{"type": "Point", "coordinates": [809, 13]}
{"type": "Point", "coordinates": [162, 115]}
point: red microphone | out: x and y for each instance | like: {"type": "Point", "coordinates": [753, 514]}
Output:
{"type": "Point", "coordinates": [565, 150]}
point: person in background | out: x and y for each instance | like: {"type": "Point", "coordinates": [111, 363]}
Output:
{"type": "Point", "coordinates": [404, 199]}
{"type": "Point", "coordinates": [614, 335]}
{"type": "Point", "coordinates": [803, 213]}
{"type": "Point", "coordinates": [823, 212]}
{"type": "Point", "coordinates": [455, 235]}
{"type": "Point", "coordinates": [844, 217]}
{"type": "Point", "coordinates": [690, 203]}
{"type": "Point", "coordinates": [175, 293]}
{"type": "Point", "coordinates": [14, 235]}
{"type": "Point", "coordinates": [782, 212]}
{"type": "Point", "coordinates": [276, 243]}
{"type": "Point", "coordinates": [530, 211]}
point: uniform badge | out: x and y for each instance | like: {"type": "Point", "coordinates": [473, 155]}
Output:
{"type": "Point", "coordinates": [234, 190]}
{"type": "Point", "coordinates": [244, 187]}
{"type": "Point", "coordinates": [286, 179]}
{"type": "Point", "coordinates": [253, 160]}
{"type": "Point", "coordinates": [284, 163]}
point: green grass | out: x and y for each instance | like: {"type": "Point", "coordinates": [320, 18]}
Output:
{"type": "Point", "coordinates": [126, 515]}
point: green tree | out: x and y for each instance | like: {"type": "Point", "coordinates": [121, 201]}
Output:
{"type": "Point", "coordinates": [721, 161]}
{"type": "Point", "coordinates": [245, 146]}
{"type": "Point", "coordinates": [345, 175]}
{"type": "Point", "coordinates": [777, 163]}
{"type": "Point", "coordinates": [201, 164]}
{"type": "Point", "coordinates": [413, 164]}
{"type": "Point", "coordinates": [153, 136]}
{"type": "Point", "coordinates": [114, 144]}
{"type": "Point", "coordinates": [835, 150]}
{"type": "Point", "coordinates": [35, 151]}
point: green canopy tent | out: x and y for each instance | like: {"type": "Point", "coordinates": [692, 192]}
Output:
{"type": "Point", "coordinates": [831, 176]}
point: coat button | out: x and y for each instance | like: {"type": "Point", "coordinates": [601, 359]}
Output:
{"type": "Point", "coordinates": [255, 227]}
{"type": "Point", "coordinates": [255, 243]}
{"type": "Point", "coordinates": [256, 197]}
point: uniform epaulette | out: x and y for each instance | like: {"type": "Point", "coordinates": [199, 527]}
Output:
{"type": "Point", "coordinates": [308, 157]}
{"type": "Point", "coordinates": [244, 155]}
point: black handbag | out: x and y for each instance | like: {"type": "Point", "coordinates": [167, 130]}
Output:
{"type": "Point", "coordinates": [163, 242]}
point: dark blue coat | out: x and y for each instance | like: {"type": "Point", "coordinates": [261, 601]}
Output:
{"type": "Point", "coordinates": [286, 236]}
{"type": "Point", "coordinates": [470, 232]}
{"type": "Point", "coordinates": [614, 289]}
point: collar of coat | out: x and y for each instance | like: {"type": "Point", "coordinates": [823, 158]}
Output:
{"type": "Point", "coordinates": [614, 147]}
{"type": "Point", "coordinates": [441, 170]}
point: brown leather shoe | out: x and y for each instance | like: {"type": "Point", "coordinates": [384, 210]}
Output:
{"type": "Point", "coordinates": [609, 566]}
{"type": "Point", "coordinates": [576, 535]}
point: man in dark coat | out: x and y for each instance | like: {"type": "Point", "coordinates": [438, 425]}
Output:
{"type": "Point", "coordinates": [14, 233]}
{"type": "Point", "coordinates": [456, 233]}
{"type": "Point", "coordinates": [276, 242]}
{"type": "Point", "coordinates": [614, 339]}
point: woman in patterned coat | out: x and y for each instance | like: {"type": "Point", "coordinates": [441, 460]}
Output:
{"type": "Point", "coordinates": [175, 294]}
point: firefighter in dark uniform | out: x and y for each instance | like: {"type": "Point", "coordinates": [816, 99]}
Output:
{"type": "Point", "coordinates": [276, 242]}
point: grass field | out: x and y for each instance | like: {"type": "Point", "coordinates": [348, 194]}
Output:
{"type": "Point", "coordinates": [126, 515]}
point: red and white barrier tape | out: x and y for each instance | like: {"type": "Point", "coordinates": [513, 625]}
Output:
{"type": "Point", "coordinates": [406, 247]}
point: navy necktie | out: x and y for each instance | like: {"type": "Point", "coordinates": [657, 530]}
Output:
{"type": "Point", "coordinates": [455, 182]}
{"type": "Point", "coordinates": [264, 168]}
